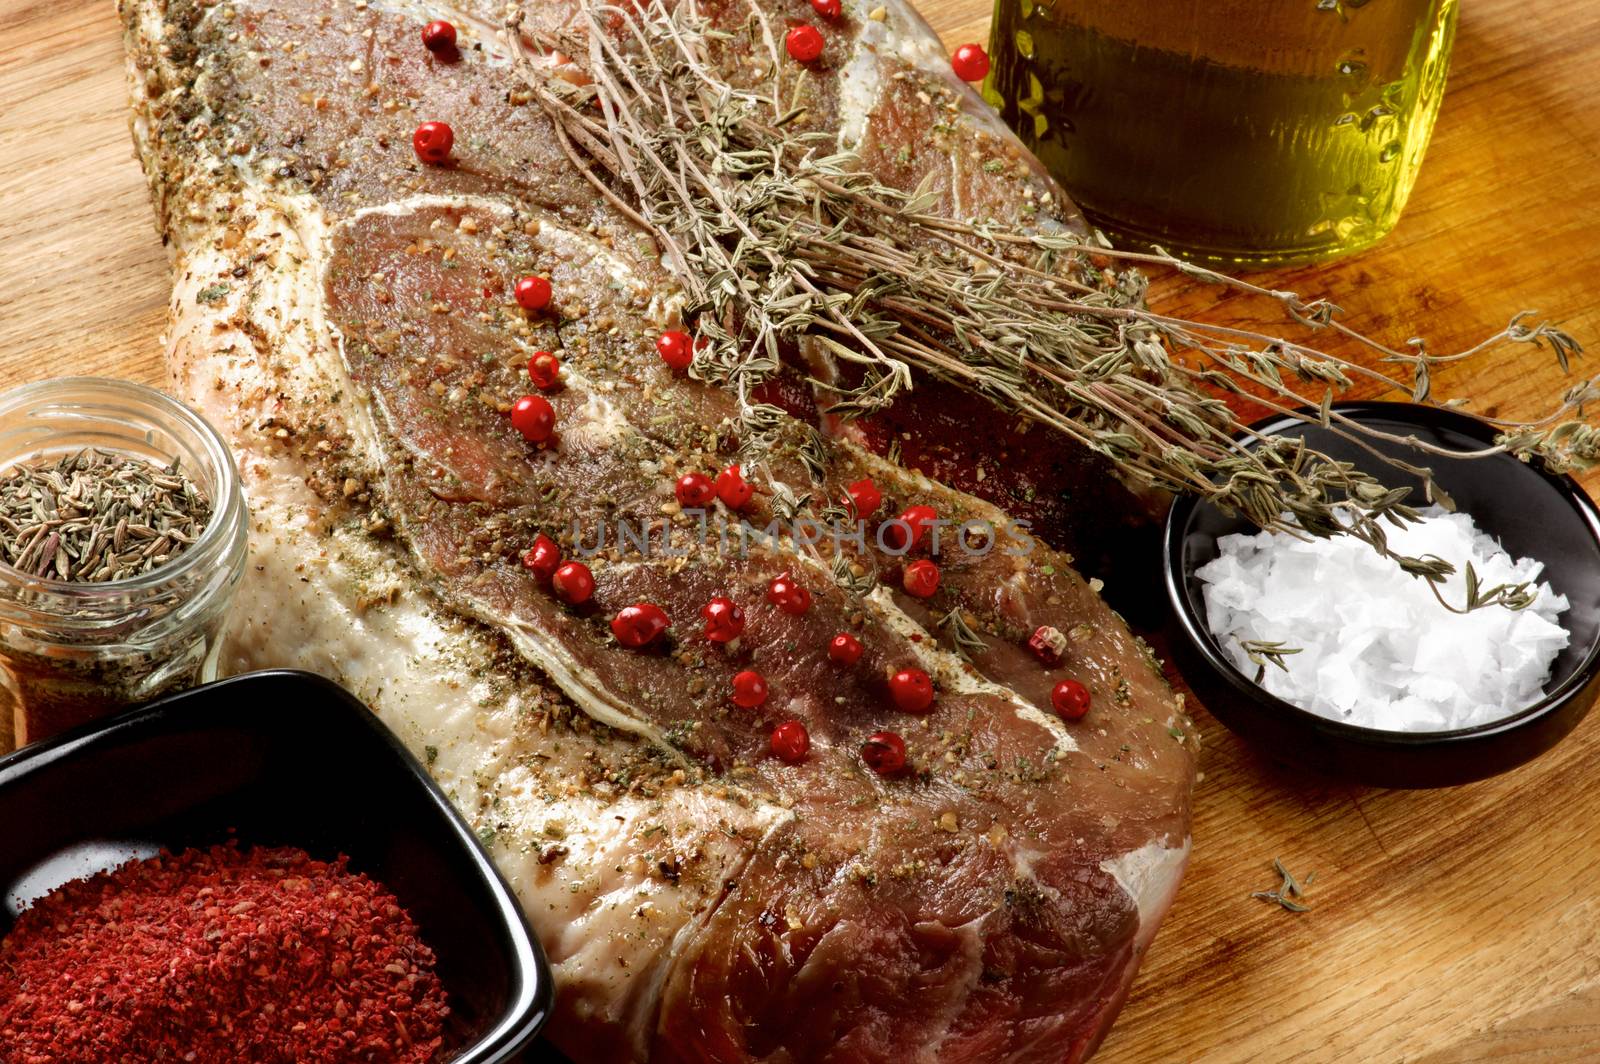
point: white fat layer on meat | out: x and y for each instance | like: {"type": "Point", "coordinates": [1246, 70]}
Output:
{"type": "Point", "coordinates": [861, 83]}
{"type": "Point", "coordinates": [926, 53]}
{"type": "Point", "coordinates": [878, 46]}
{"type": "Point", "coordinates": [581, 684]}
{"type": "Point", "coordinates": [597, 425]}
{"type": "Point", "coordinates": [1149, 875]}
{"type": "Point", "coordinates": [665, 309]}
{"type": "Point", "coordinates": [967, 974]}
{"type": "Point", "coordinates": [610, 918]}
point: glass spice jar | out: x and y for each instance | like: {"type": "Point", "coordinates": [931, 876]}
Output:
{"type": "Point", "coordinates": [1231, 131]}
{"type": "Point", "coordinates": [72, 651]}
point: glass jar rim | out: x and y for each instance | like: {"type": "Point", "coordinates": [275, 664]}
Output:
{"type": "Point", "coordinates": [226, 498]}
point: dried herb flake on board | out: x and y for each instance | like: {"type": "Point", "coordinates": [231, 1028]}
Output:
{"type": "Point", "coordinates": [1289, 891]}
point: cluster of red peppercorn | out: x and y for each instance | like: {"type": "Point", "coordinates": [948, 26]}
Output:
{"type": "Point", "coordinates": [432, 141]}
{"type": "Point", "coordinates": [921, 578]}
{"type": "Point", "coordinates": [911, 689]}
{"type": "Point", "coordinates": [571, 582]}
{"type": "Point", "coordinates": [804, 44]}
{"type": "Point", "coordinates": [1069, 697]}
{"type": "Point", "coordinates": [695, 490]}
{"type": "Point", "coordinates": [532, 415]}
{"type": "Point", "coordinates": [639, 625]}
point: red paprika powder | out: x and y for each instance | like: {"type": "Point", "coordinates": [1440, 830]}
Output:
{"type": "Point", "coordinates": [220, 955]}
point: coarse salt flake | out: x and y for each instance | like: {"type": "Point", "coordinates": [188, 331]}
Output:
{"type": "Point", "coordinates": [1376, 647]}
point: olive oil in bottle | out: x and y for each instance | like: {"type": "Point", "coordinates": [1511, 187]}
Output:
{"type": "Point", "coordinates": [1233, 131]}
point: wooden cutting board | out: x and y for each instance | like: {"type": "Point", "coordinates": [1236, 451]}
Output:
{"type": "Point", "coordinates": [1446, 926]}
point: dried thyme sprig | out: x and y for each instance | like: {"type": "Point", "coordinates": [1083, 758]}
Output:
{"type": "Point", "coordinates": [1262, 653]}
{"type": "Point", "coordinates": [777, 238]}
{"type": "Point", "coordinates": [1509, 596]}
{"type": "Point", "coordinates": [1289, 890]}
{"type": "Point", "coordinates": [964, 641]}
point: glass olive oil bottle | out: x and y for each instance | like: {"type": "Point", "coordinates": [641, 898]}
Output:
{"type": "Point", "coordinates": [1233, 131]}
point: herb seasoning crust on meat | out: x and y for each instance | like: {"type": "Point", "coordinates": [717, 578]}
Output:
{"type": "Point", "coordinates": [346, 313]}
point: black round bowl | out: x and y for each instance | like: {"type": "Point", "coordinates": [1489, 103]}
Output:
{"type": "Point", "coordinates": [280, 759]}
{"type": "Point", "coordinates": [1532, 513]}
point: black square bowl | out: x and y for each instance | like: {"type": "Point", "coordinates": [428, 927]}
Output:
{"type": "Point", "coordinates": [281, 759]}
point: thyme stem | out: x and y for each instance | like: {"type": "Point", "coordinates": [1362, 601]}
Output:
{"type": "Point", "coordinates": [787, 248]}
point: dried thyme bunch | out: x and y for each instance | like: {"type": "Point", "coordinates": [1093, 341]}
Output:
{"type": "Point", "coordinates": [777, 238]}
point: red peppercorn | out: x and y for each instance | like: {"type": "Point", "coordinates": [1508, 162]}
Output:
{"type": "Point", "coordinates": [544, 369]}
{"type": "Point", "coordinates": [532, 292]}
{"type": "Point", "coordinates": [543, 558]}
{"type": "Point", "coordinates": [790, 742]}
{"type": "Point", "coordinates": [432, 142]}
{"type": "Point", "coordinates": [749, 689]}
{"type": "Point", "coordinates": [906, 532]}
{"type": "Point", "coordinates": [675, 349]}
{"type": "Point", "coordinates": [844, 649]}
{"type": "Point", "coordinates": [884, 752]}
{"type": "Point", "coordinates": [573, 583]}
{"type": "Point", "coordinates": [971, 62]}
{"type": "Point", "coordinates": [911, 690]}
{"type": "Point", "coordinates": [439, 37]}
{"type": "Point", "coordinates": [827, 8]}
{"type": "Point", "coordinates": [804, 44]}
{"type": "Point", "coordinates": [788, 595]}
{"type": "Point", "coordinates": [724, 619]}
{"type": "Point", "coordinates": [733, 489]}
{"type": "Point", "coordinates": [865, 498]}
{"type": "Point", "coordinates": [921, 578]}
{"type": "Point", "coordinates": [1070, 699]}
{"type": "Point", "coordinates": [694, 491]}
{"type": "Point", "coordinates": [1048, 645]}
{"type": "Point", "coordinates": [534, 417]}
{"type": "Point", "coordinates": [639, 625]}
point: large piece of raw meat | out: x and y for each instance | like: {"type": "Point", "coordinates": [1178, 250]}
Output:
{"type": "Point", "coordinates": [344, 315]}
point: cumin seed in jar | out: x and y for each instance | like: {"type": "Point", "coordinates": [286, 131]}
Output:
{"type": "Point", "coordinates": [96, 516]}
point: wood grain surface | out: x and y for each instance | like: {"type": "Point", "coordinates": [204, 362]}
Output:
{"type": "Point", "coordinates": [1448, 926]}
